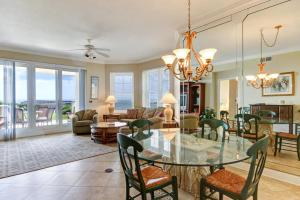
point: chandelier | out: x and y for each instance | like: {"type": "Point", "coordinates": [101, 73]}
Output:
{"type": "Point", "coordinates": [183, 69]}
{"type": "Point", "coordinates": [262, 79]}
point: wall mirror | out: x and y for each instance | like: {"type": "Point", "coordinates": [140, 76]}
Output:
{"type": "Point", "coordinates": [94, 87]}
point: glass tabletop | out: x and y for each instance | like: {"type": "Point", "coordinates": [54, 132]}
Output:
{"type": "Point", "coordinates": [169, 146]}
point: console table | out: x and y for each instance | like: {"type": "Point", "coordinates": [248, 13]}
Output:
{"type": "Point", "coordinates": [284, 113]}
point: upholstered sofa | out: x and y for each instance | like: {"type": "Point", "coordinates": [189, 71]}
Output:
{"type": "Point", "coordinates": [82, 120]}
{"type": "Point", "coordinates": [155, 115]}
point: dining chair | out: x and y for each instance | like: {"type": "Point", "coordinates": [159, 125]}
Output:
{"type": "Point", "coordinates": [137, 126]}
{"type": "Point", "coordinates": [146, 179]}
{"type": "Point", "coordinates": [248, 126]}
{"type": "Point", "coordinates": [289, 140]}
{"type": "Point", "coordinates": [244, 110]}
{"type": "Point", "coordinates": [266, 114]}
{"type": "Point", "coordinates": [214, 125]}
{"type": "Point", "coordinates": [233, 185]}
{"type": "Point", "coordinates": [231, 127]}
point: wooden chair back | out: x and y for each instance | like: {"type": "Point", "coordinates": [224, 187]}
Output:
{"type": "Point", "coordinates": [130, 164]}
{"type": "Point", "coordinates": [213, 124]}
{"type": "Point", "coordinates": [245, 123]}
{"type": "Point", "coordinates": [258, 154]}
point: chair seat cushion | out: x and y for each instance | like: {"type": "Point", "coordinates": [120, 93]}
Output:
{"type": "Point", "coordinates": [154, 176]}
{"type": "Point", "coordinates": [227, 181]}
{"type": "Point", "coordinates": [83, 123]}
{"type": "Point", "coordinates": [253, 136]}
{"type": "Point", "coordinates": [287, 136]}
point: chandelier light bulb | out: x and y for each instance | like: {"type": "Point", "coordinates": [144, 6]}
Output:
{"type": "Point", "coordinates": [250, 78]}
{"type": "Point", "coordinates": [274, 76]}
{"type": "Point", "coordinates": [181, 54]}
{"type": "Point", "coordinates": [208, 54]}
{"type": "Point", "coordinates": [261, 75]}
{"type": "Point", "coordinates": [168, 59]}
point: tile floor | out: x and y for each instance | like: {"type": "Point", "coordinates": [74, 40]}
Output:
{"type": "Point", "coordinates": [86, 180]}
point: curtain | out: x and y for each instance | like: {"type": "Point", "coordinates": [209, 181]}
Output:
{"type": "Point", "coordinates": [7, 98]}
{"type": "Point", "coordinates": [82, 78]}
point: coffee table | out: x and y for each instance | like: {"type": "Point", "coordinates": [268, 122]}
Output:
{"type": "Point", "coordinates": [105, 132]}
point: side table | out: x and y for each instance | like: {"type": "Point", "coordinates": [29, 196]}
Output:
{"type": "Point", "coordinates": [171, 124]}
{"type": "Point", "coordinates": [114, 116]}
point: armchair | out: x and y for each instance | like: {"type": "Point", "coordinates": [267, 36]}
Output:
{"type": "Point", "coordinates": [82, 120]}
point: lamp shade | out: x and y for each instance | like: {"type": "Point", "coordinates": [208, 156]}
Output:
{"type": "Point", "coordinates": [110, 99]}
{"type": "Point", "coordinates": [169, 59]}
{"type": "Point", "coordinates": [168, 98]}
{"type": "Point", "coordinates": [181, 53]}
{"type": "Point", "coordinates": [208, 54]}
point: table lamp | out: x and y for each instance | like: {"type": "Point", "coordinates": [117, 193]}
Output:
{"type": "Point", "coordinates": [111, 100]}
{"type": "Point", "coordinates": [168, 99]}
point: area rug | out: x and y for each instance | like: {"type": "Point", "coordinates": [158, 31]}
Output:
{"type": "Point", "coordinates": [34, 153]}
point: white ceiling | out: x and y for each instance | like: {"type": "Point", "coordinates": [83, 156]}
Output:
{"type": "Point", "coordinates": [134, 30]}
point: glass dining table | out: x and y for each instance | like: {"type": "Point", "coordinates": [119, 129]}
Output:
{"type": "Point", "coordinates": [172, 147]}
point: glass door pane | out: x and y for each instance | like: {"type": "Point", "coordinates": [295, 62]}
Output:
{"type": "Point", "coordinates": [70, 95]}
{"type": "Point", "coordinates": [46, 100]}
{"type": "Point", "coordinates": [21, 105]}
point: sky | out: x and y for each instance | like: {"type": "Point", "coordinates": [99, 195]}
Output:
{"type": "Point", "coordinates": [45, 84]}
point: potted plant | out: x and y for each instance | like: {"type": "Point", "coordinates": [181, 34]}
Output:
{"type": "Point", "coordinates": [208, 113]}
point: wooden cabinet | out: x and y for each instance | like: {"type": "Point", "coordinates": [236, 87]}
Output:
{"type": "Point", "coordinates": [284, 113]}
{"type": "Point", "coordinates": [192, 97]}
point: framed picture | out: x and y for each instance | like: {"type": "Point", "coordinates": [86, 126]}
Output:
{"type": "Point", "coordinates": [94, 87]}
{"type": "Point", "coordinates": [283, 86]}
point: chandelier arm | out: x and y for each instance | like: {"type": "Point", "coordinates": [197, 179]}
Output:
{"type": "Point", "coordinates": [172, 69]}
{"type": "Point", "coordinates": [196, 55]}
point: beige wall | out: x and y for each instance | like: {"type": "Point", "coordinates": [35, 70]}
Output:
{"type": "Point", "coordinates": [280, 63]}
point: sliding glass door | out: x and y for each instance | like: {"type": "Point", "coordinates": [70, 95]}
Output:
{"type": "Point", "coordinates": [36, 99]}
{"type": "Point", "coordinates": [45, 97]}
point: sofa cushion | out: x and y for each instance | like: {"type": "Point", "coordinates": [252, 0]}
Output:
{"type": "Point", "coordinates": [148, 113]}
{"type": "Point", "coordinates": [140, 113]}
{"type": "Point", "coordinates": [159, 112]}
{"type": "Point", "coordinates": [80, 114]}
{"type": "Point", "coordinates": [132, 113]}
{"type": "Point", "coordinates": [88, 114]}
{"type": "Point", "coordinates": [83, 123]}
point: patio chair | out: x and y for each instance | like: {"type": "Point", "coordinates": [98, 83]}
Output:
{"type": "Point", "coordinates": [42, 114]}
{"type": "Point", "coordinates": [20, 117]}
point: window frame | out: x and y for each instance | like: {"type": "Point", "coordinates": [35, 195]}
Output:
{"type": "Point", "coordinates": [112, 87]}
{"type": "Point", "coordinates": [145, 86]}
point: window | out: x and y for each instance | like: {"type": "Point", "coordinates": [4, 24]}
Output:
{"type": "Point", "coordinates": [121, 86]}
{"type": "Point", "coordinates": [156, 83]}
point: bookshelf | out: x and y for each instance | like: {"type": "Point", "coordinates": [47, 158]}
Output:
{"type": "Point", "coordinates": [192, 97]}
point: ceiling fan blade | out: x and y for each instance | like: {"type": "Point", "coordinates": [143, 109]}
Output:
{"type": "Point", "coordinates": [101, 49]}
{"type": "Point", "coordinates": [102, 54]}
{"type": "Point", "coordinates": [76, 50]}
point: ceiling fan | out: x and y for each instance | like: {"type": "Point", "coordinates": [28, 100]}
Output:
{"type": "Point", "coordinates": [90, 51]}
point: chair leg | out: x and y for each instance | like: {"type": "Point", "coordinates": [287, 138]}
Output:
{"type": "Point", "coordinates": [276, 144]}
{"type": "Point", "coordinates": [255, 194]}
{"type": "Point", "coordinates": [280, 144]}
{"type": "Point", "coordinates": [220, 196]}
{"type": "Point", "coordinates": [175, 187]}
{"type": "Point", "coordinates": [152, 195]}
{"type": "Point", "coordinates": [202, 189]}
{"type": "Point", "coordinates": [127, 190]}
{"type": "Point", "coordinates": [298, 147]}
{"type": "Point", "coordinates": [144, 195]}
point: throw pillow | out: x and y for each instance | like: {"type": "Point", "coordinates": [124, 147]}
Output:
{"type": "Point", "coordinates": [132, 113]}
{"type": "Point", "coordinates": [140, 113]}
{"type": "Point", "coordinates": [159, 112]}
{"type": "Point", "coordinates": [88, 114]}
{"type": "Point", "coordinates": [148, 113]}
